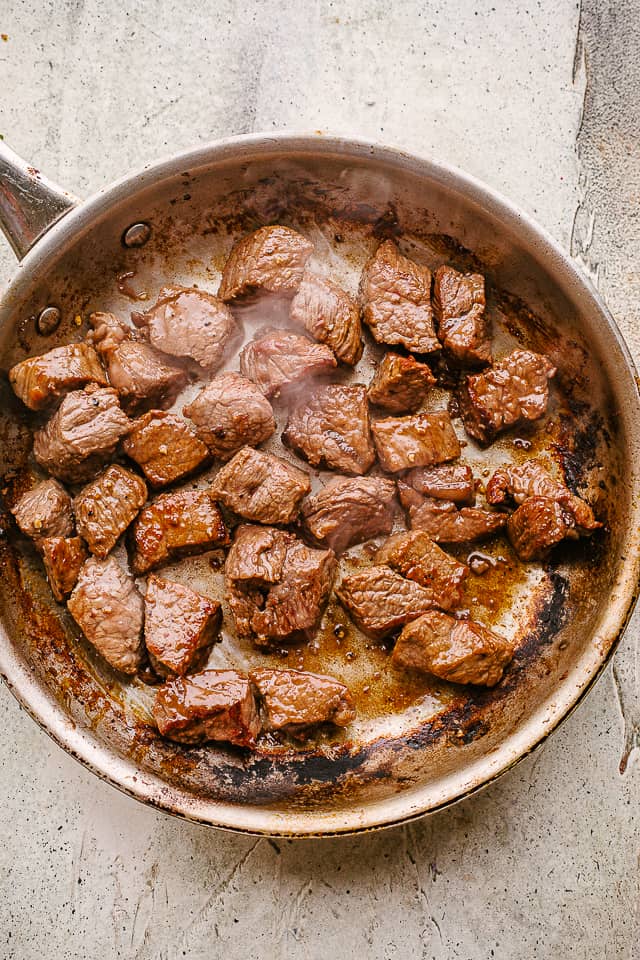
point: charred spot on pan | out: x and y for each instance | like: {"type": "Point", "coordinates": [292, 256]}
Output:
{"type": "Point", "coordinates": [550, 617]}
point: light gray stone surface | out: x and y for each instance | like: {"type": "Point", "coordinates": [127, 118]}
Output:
{"type": "Point", "coordinates": [542, 864]}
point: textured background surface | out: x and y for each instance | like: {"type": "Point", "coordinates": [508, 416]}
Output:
{"type": "Point", "coordinates": [543, 103]}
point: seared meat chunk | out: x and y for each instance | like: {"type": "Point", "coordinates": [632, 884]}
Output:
{"type": "Point", "coordinates": [257, 555]}
{"type": "Point", "coordinates": [459, 305]}
{"type": "Point", "coordinates": [331, 428]}
{"type": "Point", "coordinates": [180, 625]}
{"type": "Point", "coordinates": [40, 381]}
{"type": "Point", "coordinates": [461, 651]}
{"type": "Point", "coordinates": [349, 510]}
{"type": "Point", "coordinates": [44, 511]}
{"type": "Point", "coordinates": [229, 413]}
{"type": "Point", "coordinates": [379, 600]}
{"type": "Point", "coordinates": [142, 376]}
{"type": "Point", "coordinates": [515, 389]}
{"type": "Point", "coordinates": [212, 705]}
{"type": "Point", "coordinates": [448, 481]}
{"type": "Point", "coordinates": [415, 555]}
{"type": "Point", "coordinates": [63, 559]}
{"type": "Point", "coordinates": [106, 506]}
{"type": "Point", "coordinates": [189, 323]}
{"type": "Point", "coordinates": [174, 525]}
{"type": "Point", "coordinates": [107, 607]}
{"type": "Point", "coordinates": [444, 522]}
{"type": "Point", "coordinates": [271, 260]}
{"type": "Point", "coordinates": [81, 434]}
{"type": "Point", "coordinates": [261, 487]}
{"type": "Point", "coordinates": [296, 701]}
{"type": "Point", "coordinates": [396, 299]}
{"type": "Point", "coordinates": [330, 315]}
{"type": "Point", "coordinates": [532, 479]}
{"type": "Point", "coordinates": [400, 384]}
{"type": "Point", "coordinates": [537, 526]}
{"type": "Point", "coordinates": [277, 358]}
{"type": "Point", "coordinates": [166, 447]}
{"type": "Point", "coordinates": [417, 441]}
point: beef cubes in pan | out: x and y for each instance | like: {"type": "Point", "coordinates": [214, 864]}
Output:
{"type": "Point", "coordinates": [277, 358]}
{"type": "Point", "coordinates": [63, 558]}
{"type": "Point", "coordinates": [106, 506]}
{"type": "Point", "coordinates": [400, 384]}
{"type": "Point", "coordinates": [40, 381]}
{"type": "Point", "coordinates": [518, 482]}
{"type": "Point", "coordinates": [295, 701]}
{"type": "Point", "coordinates": [261, 487]}
{"type": "Point", "coordinates": [270, 260]}
{"type": "Point", "coordinates": [444, 522]}
{"type": "Point", "coordinates": [463, 327]}
{"type": "Point", "coordinates": [330, 316]}
{"type": "Point", "coordinates": [229, 413]}
{"type": "Point", "coordinates": [44, 511]}
{"type": "Point", "coordinates": [166, 447]}
{"type": "Point", "coordinates": [349, 510]}
{"type": "Point", "coordinates": [415, 555]}
{"type": "Point", "coordinates": [446, 481]}
{"type": "Point", "coordinates": [180, 625]}
{"type": "Point", "coordinates": [212, 705]}
{"type": "Point", "coordinates": [379, 600]}
{"type": "Point", "coordinates": [420, 440]}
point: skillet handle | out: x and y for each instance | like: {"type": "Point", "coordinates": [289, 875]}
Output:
{"type": "Point", "coordinates": [29, 203]}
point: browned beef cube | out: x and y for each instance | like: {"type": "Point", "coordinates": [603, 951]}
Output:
{"type": "Point", "coordinates": [417, 441]}
{"type": "Point", "coordinates": [459, 305]}
{"type": "Point", "coordinates": [271, 260]}
{"type": "Point", "coordinates": [81, 434]}
{"type": "Point", "coordinates": [444, 522]}
{"type": "Point", "coordinates": [109, 610]}
{"type": "Point", "coordinates": [180, 625]}
{"type": "Point", "coordinates": [278, 358]}
{"type": "Point", "coordinates": [537, 526]}
{"type": "Point", "coordinates": [189, 323]}
{"type": "Point", "coordinates": [176, 524]}
{"type": "Point", "coordinates": [166, 447]}
{"type": "Point", "coordinates": [447, 481]}
{"type": "Point", "coordinates": [460, 651]}
{"type": "Point", "coordinates": [106, 506]}
{"type": "Point", "coordinates": [143, 377]}
{"type": "Point", "coordinates": [396, 299]}
{"type": "Point", "coordinates": [532, 479]}
{"type": "Point", "coordinates": [257, 555]}
{"type": "Point", "coordinates": [296, 701]}
{"type": "Point", "coordinates": [44, 511]}
{"type": "Point", "coordinates": [63, 559]}
{"type": "Point", "coordinates": [330, 315]}
{"type": "Point", "coordinates": [40, 381]}
{"type": "Point", "coordinates": [515, 389]}
{"type": "Point", "coordinates": [415, 555]}
{"type": "Point", "coordinates": [349, 510]}
{"type": "Point", "coordinates": [212, 705]}
{"type": "Point", "coordinates": [331, 428]}
{"type": "Point", "coordinates": [379, 600]}
{"type": "Point", "coordinates": [229, 413]}
{"type": "Point", "coordinates": [400, 384]}
{"type": "Point", "coordinates": [261, 487]}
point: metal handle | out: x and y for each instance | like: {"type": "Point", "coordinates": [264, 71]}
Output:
{"type": "Point", "coordinates": [29, 203]}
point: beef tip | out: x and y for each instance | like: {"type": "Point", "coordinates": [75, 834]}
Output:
{"type": "Point", "coordinates": [330, 315]}
{"type": "Point", "coordinates": [420, 440]}
{"type": "Point", "coordinates": [107, 607]}
{"type": "Point", "coordinates": [40, 381]}
{"type": "Point", "coordinates": [532, 479]}
{"type": "Point", "coordinates": [261, 487]}
{"type": "Point", "coordinates": [396, 299]}
{"type": "Point", "coordinates": [44, 511]}
{"type": "Point", "coordinates": [448, 481]}
{"type": "Point", "coordinates": [180, 625]}
{"type": "Point", "coordinates": [349, 510]}
{"type": "Point", "coordinates": [143, 377]}
{"type": "Point", "coordinates": [63, 559]}
{"type": "Point", "coordinates": [400, 384]}
{"type": "Point", "coordinates": [379, 600]}
{"type": "Point", "coordinates": [460, 651]}
{"type": "Point", "coordinates": [189, 323]}
{"type": "Point", "coordinates": [166, 448]}
{"type": "Point", "coordinates": [271, 260]}
{"type": "Point", "coordinates": [537, 526]}
{"type": "Point", "coordinates": [229, 413]}
{"type": "Point", "coordinates": [82, 434]}
{"type": "Point", "coordinates": [277, 358]}
{"type": "Point", "coordinates": [415, 555]}
{"type": "Point", "coordinates": [444, 522]}
{"type": "Point", "coordinates": [331, 428]}
{"type": "Point", "coordinates": [515, 389]}
{"type": "Point", "coordinates": [296, 701]}
{"type": "Point", "coordinates": [176, 524]}
{"type": "Point", "coordinates": [106, 506]}
{"type": "Point", "coordinates": [459, 305]}
{"type": "Point", "coordinates": [212, 705]}
{"type": "Point", "coordinates": [257, 555]}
